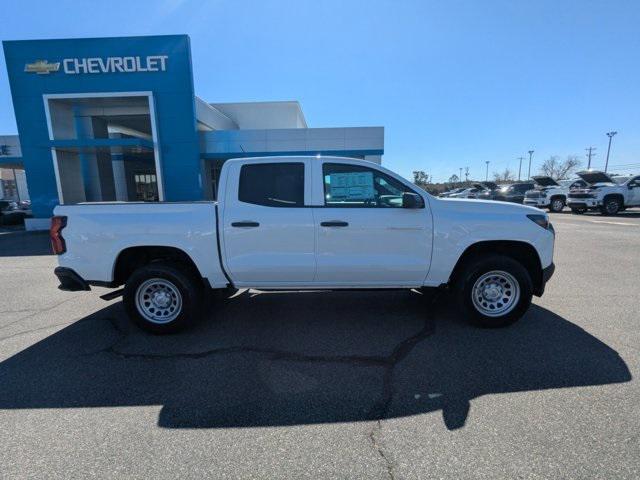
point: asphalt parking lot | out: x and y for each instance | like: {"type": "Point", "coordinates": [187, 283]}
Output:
{"type": "Point", "coordinates": [328, 385]}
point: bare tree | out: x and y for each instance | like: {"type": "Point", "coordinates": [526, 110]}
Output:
{"type": "Point", "coordinates": [421, 179]}
{"type": "Point", "coordinates": [504, 176]}
{"type": "Point", "coordinates": [454, 178]}
{"type": "Point", "coordinates": [559, 169]}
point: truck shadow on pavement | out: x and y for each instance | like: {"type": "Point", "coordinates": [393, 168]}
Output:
{"type": "Point", "coordinates": [268, 359]}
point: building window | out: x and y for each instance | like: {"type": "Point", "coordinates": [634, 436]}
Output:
{"type": "Point", "coordinates": [272, 184]}
{"type": "Point", "coordinates": [146, 187]}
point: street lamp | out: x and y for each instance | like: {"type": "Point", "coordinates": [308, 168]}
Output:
{"type": "Point", "coordinates": [530, 154]}
{"type": "Point", "coordinates": [520, 167]}
{"type": "Point", "coordinates": [460, 177]}
{"type": "Point", "coordinates": [610, 135]}
{"type": "Point", "coordinates": [486, 176]}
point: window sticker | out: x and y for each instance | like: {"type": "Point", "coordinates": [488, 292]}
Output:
{"type": "Point", "coordinates": [351, 186]}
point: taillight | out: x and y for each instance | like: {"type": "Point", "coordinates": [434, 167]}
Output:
{"type": "Point", "coordinates": [55, 233]}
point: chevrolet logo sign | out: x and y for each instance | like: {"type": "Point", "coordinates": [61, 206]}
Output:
{"type": "Point", "coordinates": [42, 67]}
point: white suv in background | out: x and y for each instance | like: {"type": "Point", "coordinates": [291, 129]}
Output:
{"type": "Point", "coordinates": [547, 194]}
{"type": "Point", "coordinates": [604, 194]}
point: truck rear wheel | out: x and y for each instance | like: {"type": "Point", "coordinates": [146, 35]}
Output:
{"type": "Point", "coordinates": [163, 298]}
{"type": "Point", "coordinates": [494, 291]}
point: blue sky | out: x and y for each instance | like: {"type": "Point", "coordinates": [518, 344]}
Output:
{"type": "Point", "coordinates": [454, 83]}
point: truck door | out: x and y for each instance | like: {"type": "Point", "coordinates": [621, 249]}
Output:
{"type": "Point", "coordinates": [634, 192]}
{"type": "Point", "coordinates": [268, 233]}
{"type": "Point", "coordinates": [364, 235]}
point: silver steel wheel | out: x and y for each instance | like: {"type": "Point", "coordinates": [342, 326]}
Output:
{"type": "Point", "coordinates": [557, 205]}
{"type": "Point", "coordinates": [158, 300]}
{"type": "Point", "coordinates": [495, 293]}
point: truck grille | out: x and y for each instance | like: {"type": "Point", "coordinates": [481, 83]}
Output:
{"type": "Point", "coordinates": [532, 195]}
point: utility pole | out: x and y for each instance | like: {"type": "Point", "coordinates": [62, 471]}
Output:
{"type": "Point", "coordinates": [530, 155]}
{"type": "Point", "coordinates": [589, 155]}
{"type": "Point", "coordinates": [610, 135]}
{"type": "Point", "coordinates": [466, 174]}
{"type": "Point", "coordinates": [486, 176]}
{"type": "Point", "coordinates": [520, 167]}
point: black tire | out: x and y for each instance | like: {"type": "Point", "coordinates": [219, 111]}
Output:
{"type": "Point", "coordinates": [579, 210]}
{"type": "Point", "coordinates": [478, 267]}
{"type": "Point", "coordinates": [180, 283]}
{"type": "Point", "coordinates": [611, 206]}
{"type": "Point", "coordinates": [556, 205]}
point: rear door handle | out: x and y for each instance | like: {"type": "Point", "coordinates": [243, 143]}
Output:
{"type": "Point", "coordinates": [335, 223]}
{"type": "Point", "coordinates": [245, 224]}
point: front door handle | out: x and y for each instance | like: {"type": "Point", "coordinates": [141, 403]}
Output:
{"type": "Point", "coordinates": [334, 223]}
{"type": "Point", "coordinates": [245, 224]}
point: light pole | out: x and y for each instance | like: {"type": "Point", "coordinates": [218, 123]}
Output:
{"type": "Point", "coordinates": [610, 135]}
{"type": "Point", "coordinates": [460, 177]}
{"type": "Point", "coordinates": [530, 155]}
{"type": "Point", "coordinates": [520, 167]}
{"type": "Point", "coordinates": [486, 176]}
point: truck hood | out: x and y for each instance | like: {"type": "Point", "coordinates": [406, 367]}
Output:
{"type": "Point", "coordinates": [545, 181]}
{"type": "Point", "coordinates": [594, 176]}
{"type": "Point", "coordinates": [484, 206]}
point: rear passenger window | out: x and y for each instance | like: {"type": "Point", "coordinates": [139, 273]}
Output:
{"type": "Point", "coordinates": [272, 184]}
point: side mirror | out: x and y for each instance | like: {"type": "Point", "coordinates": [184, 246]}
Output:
{"type": "Point", "coordinates": [412, 200]}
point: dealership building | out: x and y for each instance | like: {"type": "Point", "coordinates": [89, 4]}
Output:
{"type": "Point", "coordinates": [117, 119]}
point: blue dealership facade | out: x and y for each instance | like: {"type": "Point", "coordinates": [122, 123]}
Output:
{"type": "Point", "coordinates": [117, 119]}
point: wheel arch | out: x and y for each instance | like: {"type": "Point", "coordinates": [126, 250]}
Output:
{"type": "Point", "coordinates": [617, 196]}
{"type": "Point", "coordinates": [520, 251]}
{"type": "Point", "coordinates": [131, 258]}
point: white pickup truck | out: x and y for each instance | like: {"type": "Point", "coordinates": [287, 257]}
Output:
{"type": "Point", "coordinates": [604, 193]}
{"type": "Point", "coordinates": [305, 223]}
{"type": "Point", "coordinates": [547, 194]}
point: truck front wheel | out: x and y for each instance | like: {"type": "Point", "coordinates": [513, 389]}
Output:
{"type": "Point", "coordinates": [556, 205]}
{"type": "Point", "coordinates": [494, 291]}
{"type": "Point", "coordinates": [611, 206]}
{"type": "Point", "coordinates": [162, 297]}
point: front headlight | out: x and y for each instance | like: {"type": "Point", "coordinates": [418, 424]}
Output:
{"type": "Point", "coordinates": [541, 220]}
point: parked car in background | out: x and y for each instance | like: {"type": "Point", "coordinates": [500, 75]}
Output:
{"type": "Point", "coordinates": [471, 192]}
{"type": "Point", "coordinates": [514, 192]}
{"type": "Point", "coordinates": [11, 213]}
{"type": "Point", "coordinates": [547, 194]}
{"type": "Point", "coordinates": [492, 190]}
{"type": "Point", "coordinates": [448, 193]}
{"type": "Point", "coordinates": [305, 223]}
{"type": "Point", "coordinates": [604, 193]}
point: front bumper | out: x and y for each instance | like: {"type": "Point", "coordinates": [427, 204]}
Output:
{"type": "Point", "coordinates": [583, 203]}
{"type": "Point", "coordinates": [547, 273]}
{"type": "Point", "coordinates": [70, 281]}
{"type": "Point", "coordinates": [536, 202]}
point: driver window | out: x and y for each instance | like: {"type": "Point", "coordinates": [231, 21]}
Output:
{"type": "Point", "coordinates": [357, 186]}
